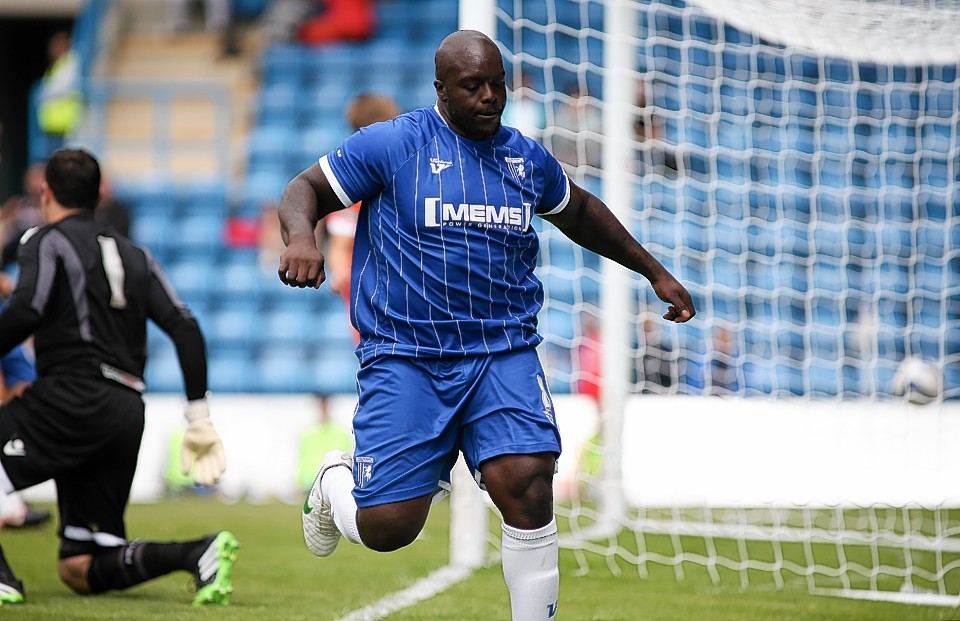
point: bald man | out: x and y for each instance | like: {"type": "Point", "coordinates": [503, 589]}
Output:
{"type": "Point", "coordinates": [445, 300]}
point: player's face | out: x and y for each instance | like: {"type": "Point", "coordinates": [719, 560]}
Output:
{"type": "Point", "coordinates": [473, 94]}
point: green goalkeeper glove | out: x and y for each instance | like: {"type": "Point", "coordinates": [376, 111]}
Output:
{"type": "Point", "coordinates": [202, 450]}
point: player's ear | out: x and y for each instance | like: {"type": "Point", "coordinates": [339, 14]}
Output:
{"type": "Point", "coordinates": [441, 90]}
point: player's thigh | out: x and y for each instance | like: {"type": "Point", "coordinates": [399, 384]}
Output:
{"type": "Point", "coordinates": [511, 411]}
{"type": "Point", "coordinates": [406, 439]}
{"type": "Point", "coordinates": [33, 449]}
{"type": "Point", "coordinates": [93, 497]}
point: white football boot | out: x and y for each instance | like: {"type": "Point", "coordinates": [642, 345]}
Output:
{"type": "Point", "coordinates": [319, 530]}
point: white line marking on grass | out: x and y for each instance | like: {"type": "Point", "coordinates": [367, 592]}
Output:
{"type": "Point", "coordinates": [925, 599]}
{"type": "Point", "coordinates": [425, 588]}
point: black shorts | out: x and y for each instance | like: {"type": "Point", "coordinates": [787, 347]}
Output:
{"type": "Point", "coordinates": [85, 435]}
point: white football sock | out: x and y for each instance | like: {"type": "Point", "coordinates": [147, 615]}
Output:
{"type": "Point", "coordinates": [531, 571]}
{"type": "Point", "coordinates": [12, 509]}
{"type": "Point", "coordinates": [337, 487]}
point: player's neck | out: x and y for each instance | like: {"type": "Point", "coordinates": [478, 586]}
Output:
{"type": "Point", "coordinates": [55, 213]}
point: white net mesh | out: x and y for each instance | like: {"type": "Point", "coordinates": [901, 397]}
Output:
{"type": "Point", "coordinates": [797, 167]}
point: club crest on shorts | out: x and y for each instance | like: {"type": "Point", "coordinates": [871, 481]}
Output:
{"type": "Point", "coordinates": [362, 470]}
{"type": "Point", "coordinates": [518, 167]}
{"type": "Point", "coordinates": [546, 399]}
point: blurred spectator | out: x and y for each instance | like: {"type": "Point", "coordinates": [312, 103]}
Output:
{"type": "Point", "coordinates": [577, 131]}
{"type": "Point", "coordinates": [588, 357]}
{"type": "Point", "coordinates": [523, 111]}
{"type": "Point", "coordinates": [17, 371]}
{"type": "Point", "coordinates": [724, 366]}
{"type": "Point", "coordinates": [365, 109]}
{"type": "Point", "coordinates": [20, 213]}
{"type": "Point", "coordinates": [325, 435]}
{"type": "Point", "coordinates": [218, 18]}
{"type": "Point", "coordinates": [655, 365]}
{"type": "Point", "coordinates": [111, 210]}
{"type": "Point", "coordinates": [652, 152]}
{"type": "Point", "coordinates": [60, 99]}
{"type": "Point", "coordinates": [316, 22]}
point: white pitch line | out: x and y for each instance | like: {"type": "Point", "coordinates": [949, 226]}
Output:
{"type": "Point", "coordinates": [425, 588]}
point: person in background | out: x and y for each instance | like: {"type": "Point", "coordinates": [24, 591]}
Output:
{"type": "Point", "coordinates": [324, 436]}
{"type": "Point", "coordinates": [446, 306]}
{"type": "Point", "coordinates": [60, 99]}
{"type": "Point", "coordinates": [525, 113]}
{"type": "Point", "coordinates": [112, 211]}
{"type": "Point", "coordinates": [656, 367]}
{"type": "Point", "coordinates": [20, 213]}
{"type": "Point", "coordinates": [85, 294]}
{"type": "Point", "coordinates": [318, 22]}
{"type": "Point", "coordinates": [365, 109]}
{"type": "Point", "coordinates": [17, 371]}
{"type": "Point", "coordinates": [218, 18]}
{"type": "Point", "coordinates": [577, 130]}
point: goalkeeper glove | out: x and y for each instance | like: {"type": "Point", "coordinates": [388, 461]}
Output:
{"type": "Point", "coordinates": [202, 450]}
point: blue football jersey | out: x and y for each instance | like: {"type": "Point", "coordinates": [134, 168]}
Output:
{"type": "Point", "coordinates": [18, 366]}
{"type": "Point", "coordinates": [444, 255]}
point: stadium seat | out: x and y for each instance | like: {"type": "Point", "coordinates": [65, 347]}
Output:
{"type": "Point", "coordinates": [207, 198]}
{"type": "Point", "coordinates": [230, 370]}
{"type": "Point", "coordinates": [333, 372]}
{"type": "Point", "coordinates": [281, 369]}
{"type": "Point", "coordinates": [162, 372]}
{"type": "Point", "coordinates": [277, 105]}
{"type": "Point", "coordinates": [281, 64]}
{"type": "Point", "coordinates": [239, 325]}
{"type": "Point", "coordinates": [199, 232]}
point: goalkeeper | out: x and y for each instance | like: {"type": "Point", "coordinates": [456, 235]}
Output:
{"type": "Point", "coordinates": [85, 292]}
{"type": "Point", "coordinates": [445, 300]}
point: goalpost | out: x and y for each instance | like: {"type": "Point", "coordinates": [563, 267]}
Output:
{"type": "Point", "coordinates": [796, 163]}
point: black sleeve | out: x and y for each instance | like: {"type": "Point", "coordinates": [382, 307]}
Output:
{"type": "Point", "coordinates": [167, 310]}
{"type": "Point", "coordinates": [22, 312]}
{"type": "Point", "coordinates": [17, 322]}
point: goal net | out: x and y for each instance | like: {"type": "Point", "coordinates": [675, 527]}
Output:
{"type": "Point", "coordinates": [795, 164]}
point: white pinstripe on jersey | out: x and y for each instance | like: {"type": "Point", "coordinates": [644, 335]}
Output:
{"type": "Point", "coordinates": [445, 252]}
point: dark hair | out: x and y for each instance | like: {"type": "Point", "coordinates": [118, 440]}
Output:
{"type": "Point", "coordinates": [74, 178]}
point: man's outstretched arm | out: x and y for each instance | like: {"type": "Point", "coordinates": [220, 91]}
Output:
{"type": "Point", "coordinates": [591, 224]}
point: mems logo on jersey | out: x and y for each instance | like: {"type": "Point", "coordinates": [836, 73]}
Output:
{"type": "Point", "coordinates": [436, 213]}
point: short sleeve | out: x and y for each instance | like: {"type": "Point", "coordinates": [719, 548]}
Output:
{"type": "Point", "coordinates": [556, 186]}
{"type": "Point", "coordinates": [361, 166]}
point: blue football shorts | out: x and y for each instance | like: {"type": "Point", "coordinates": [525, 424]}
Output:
{"type": "Point", "coordinates": [415, 416]}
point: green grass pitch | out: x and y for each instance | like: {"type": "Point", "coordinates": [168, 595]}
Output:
{"type": "Point", "coordinates": [276, 579]}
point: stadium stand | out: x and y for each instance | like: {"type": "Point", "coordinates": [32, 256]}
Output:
{"type": "Point", "coordinates": [796, 209]}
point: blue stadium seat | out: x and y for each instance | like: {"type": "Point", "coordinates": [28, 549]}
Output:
{"type": "Point", "coordinates": [559, 324]}
{"type": "Point", "coordinates": [727, 272]}
{"type": "Point", "coordinates": [262, 187]}
{"type": "Point", "coordinates": [560, 286]}
{"type": "Point", "coordinates": [148, 198]}
{"type": "Point", "coordinates": [828, 240]}
{"type": "Point", "coordinates": [282, 369]}
{"type": "Point", "coordinates": [268, 147]}
{"type": "Point", "coordinates": [334, 373]}
{"type": "Point", "coordinates": [152, 231]}
{"type": "Point", "coordinates": [231, 370]}
{"type": "Point", "coordinates": [162, 373]}
{"type": "Point", "coordinates": [761, 276]}
{"type": "Point", "coordinates": [199, 232]}
{"type": "Point", "coordinates": [237, 325]}
{"type": "Point", "coordinates": [206, 197]}
{"type": "Point", "coordinates": [277, 105]}
{"type": "Point", "coordinates": [282, 64]}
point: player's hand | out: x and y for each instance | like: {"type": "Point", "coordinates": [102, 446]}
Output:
{"type": "Point", "coordinates": [670, 290]}
{"type": "Point", "coordinates": [301, 264]}
{"type": "Point", "coordinates": [202, 451]}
